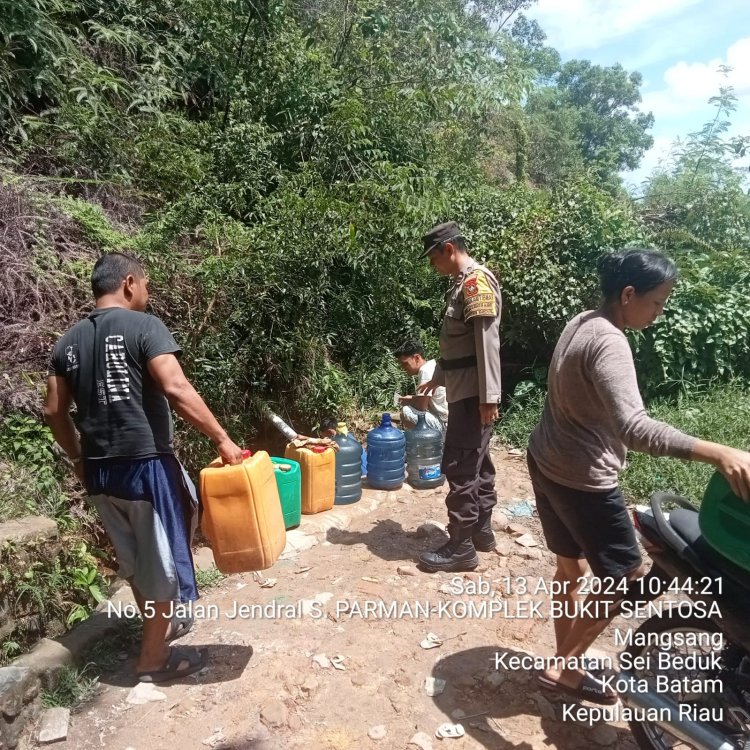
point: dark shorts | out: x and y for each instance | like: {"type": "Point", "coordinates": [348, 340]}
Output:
{"type": "Point", "coordinates": [148, 508]}
{"type": "Point", "coordinates": [594, 525]}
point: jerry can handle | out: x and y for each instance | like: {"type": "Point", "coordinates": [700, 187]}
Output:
{"type": "Point", "coordinates": [245, 455]}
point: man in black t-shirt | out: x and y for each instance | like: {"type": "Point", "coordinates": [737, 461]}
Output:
{"type": "Point", "coordinates": [120, 367]}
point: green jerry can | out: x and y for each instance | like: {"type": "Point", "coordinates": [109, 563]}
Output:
{"type": "Point", "coordinates": [289, 481]}
{"type": "Point", "coordinates": [724, 521]}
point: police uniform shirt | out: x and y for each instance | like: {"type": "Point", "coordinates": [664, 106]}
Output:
{"type": "Point", "coordinates": [471, 329]}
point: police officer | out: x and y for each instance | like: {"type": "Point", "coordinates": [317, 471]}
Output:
{"type": "Point", "coordinates": [469, 368]}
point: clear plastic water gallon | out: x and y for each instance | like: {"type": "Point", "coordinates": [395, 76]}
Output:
{"type": "Point", "coordinates": [424, 451]}
{"type": "Point", "coordinates": [348, 467]}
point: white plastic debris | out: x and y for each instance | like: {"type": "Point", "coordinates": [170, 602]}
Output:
{"type": "Point", "coordinates": [262, 581]}
{"type": "Point", "coordinates": [145, 692]}
{"type": "Point", "coordinates": [431, 641]}
{"type": "Point", "coordinates": [378, 732]}
{"type": "Point", "coordinates": [433, 686]}
{"type": "Point", "coordinates": [526, 540]}
{"type": "Point", "coordinates": [322, 661]}
{"type": "Point", "coordinates": [217, 738]}
{"type": "Point", "coordinates": [422, 741]}
{"type": "Point", "coordinates": [448, 730]}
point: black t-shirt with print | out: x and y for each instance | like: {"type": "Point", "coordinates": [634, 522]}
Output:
{"type": "Point", "coordinates": [103, 358]}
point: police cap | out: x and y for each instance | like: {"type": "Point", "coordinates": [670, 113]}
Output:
{"type": "Point", "coordinates": [439, 234]}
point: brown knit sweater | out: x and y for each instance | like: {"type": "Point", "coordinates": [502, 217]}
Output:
{"type": "Point", "coordinates": [594, 411]}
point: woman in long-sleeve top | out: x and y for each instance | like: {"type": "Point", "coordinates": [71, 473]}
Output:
{"type": "Point", "coordinates": [593, 415]}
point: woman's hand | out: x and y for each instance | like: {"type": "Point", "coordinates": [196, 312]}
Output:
{"type": "Point", "coordinates": [732, 463]}
{"type": "Point", "coordinates": [735, 466]}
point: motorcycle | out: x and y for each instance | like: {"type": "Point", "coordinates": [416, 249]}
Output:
{"type": "Point", "coordinates": [687, 680]}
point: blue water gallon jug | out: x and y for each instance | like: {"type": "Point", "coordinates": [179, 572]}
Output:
{"type": "Point", "coordinates": [348, 467]}
{"type": "Point", "coordinates": [385, 456]}
{"type": "Point", "coordinates": [424, 451]}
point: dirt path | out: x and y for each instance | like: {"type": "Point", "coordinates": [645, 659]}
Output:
{"type": "Point", "coordinates": [270, 684]}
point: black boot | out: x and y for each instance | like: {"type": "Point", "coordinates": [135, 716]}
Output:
{"type": "Point", "coordinates": [455, 556]}
{"type": "Point", "coordinates": [482, 534]}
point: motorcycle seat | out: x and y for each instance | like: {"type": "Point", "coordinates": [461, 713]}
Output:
{"type": "Point", "coordinates": [685, 524]}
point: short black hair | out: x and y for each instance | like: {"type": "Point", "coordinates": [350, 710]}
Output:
{"type": "Point", "coordinates": [111, 270]}
{"type": "Point", "coordinates": [328, 423]}
{"type": "Point", "coordinates": [644, 270]}
{"type": "Point", "coordinates": [409, 348]}
{"type": "Point", "coordinates": [459, 243]}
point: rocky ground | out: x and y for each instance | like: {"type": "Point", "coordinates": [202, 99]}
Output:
{"type": "Point", "coordinates": [334, 659]}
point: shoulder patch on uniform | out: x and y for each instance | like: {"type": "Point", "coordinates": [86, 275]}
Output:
{"type": "Point", "coordinates": [479, 298]}
{"type": "Point", "coordinates": [471, 288]}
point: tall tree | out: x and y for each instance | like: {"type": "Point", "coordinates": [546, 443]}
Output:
{"type": "Point", "coordinates": [588, 115]}
{"type": "Point", "coordinates": [700, 200]}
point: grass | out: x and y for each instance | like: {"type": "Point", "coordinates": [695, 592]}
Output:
{"type": "Point", "coordinates": [207, 577]}
{"type": "Point", "coordinates": [720, 413]}
{"type": "Point", "coordinates": [17, 498]}
{"type": "Point", "coordinates": [520, 418]}
{"type": "Point", "coordinates": [76, 685]}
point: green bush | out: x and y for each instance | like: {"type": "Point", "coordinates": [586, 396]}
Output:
{"type": "Point", "coordinates": [705, 332]}
{"type": "Point", "coordinates": [30, 482]}
{"type": "Point", "coordinates": [48, 595]}
{"type": "Point", "coordinates": [544, 246]}
{"type": "Point", "coordinates": [522, 414]}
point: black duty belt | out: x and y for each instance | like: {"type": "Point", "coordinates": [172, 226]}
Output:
{"type": "Point", "coordinates": [458, 364]}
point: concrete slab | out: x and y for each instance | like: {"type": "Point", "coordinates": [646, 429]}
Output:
{"type": "Point", "coordinates": [31, 528]}
{"type": "Point", "coordinates": [54, 726]}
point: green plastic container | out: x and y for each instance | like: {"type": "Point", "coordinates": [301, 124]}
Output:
{"type": "Point", "coordinates": [289, 481]}
{"type": "Point", "coordinates": [725, 521]}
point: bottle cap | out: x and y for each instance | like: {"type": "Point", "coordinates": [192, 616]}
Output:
{"type": "Point", "coordinates": [341, 428]}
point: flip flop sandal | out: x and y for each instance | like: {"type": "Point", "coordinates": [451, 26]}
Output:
{"type": "Point", "coordinates": [179, 626]}
{"type": "Point", "coordinates": [589, 689]}
{"type": "Point", "coordinates": [593, 664]}
{"type": "Point", "coordinates": [447, 730]}
{"type": "Point", "coordinates": [180, 663]}
{"type": "Point", "coordinates": [546, 682]}
{"type": "Point", "coordinates": [588, 663]}
{"type": "Point", "coordinates": [431, 641]}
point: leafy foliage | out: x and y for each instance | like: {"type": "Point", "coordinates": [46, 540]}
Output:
{"type": "Point", "coordinates": [698, 208]}
{"type": "Point", "coordinates": [705, 334]}
{"type": "Point", "coordinates": [45, 595]}
{"type": "Point", "coordinates": [29, 482]}
{"type": "Point", "coordinates": [699, 199]}
{"type": "Point", "coordinates": [587, 116]}
{"type": "Point", "coordinates": [545, 245]}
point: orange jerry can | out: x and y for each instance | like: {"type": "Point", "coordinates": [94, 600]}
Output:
{"type": "Point", "coordinates": [318, 476]}
{"type": "Point", "coordinates": [242, 514]}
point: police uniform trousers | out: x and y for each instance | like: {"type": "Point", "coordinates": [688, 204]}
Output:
{"type": "Point", "coordinates": [468, 467]}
